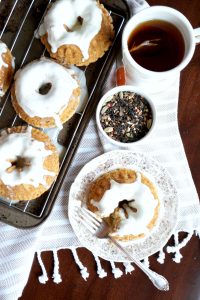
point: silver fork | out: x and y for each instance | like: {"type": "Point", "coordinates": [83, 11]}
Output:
{"type": "Point", "coordinates": [101, 230]}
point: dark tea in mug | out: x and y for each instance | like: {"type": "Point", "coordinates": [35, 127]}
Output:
{"type": "Point", "coordinates": [156, 45]}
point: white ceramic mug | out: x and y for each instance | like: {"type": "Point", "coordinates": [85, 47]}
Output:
{"type": "Point", "coordinates": [150, 80]}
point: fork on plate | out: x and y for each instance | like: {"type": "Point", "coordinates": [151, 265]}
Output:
{"type": "Point", "coordinates": [101, 230]}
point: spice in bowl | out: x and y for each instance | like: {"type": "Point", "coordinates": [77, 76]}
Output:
{"type": "Point", "coordinates": [126, 116]}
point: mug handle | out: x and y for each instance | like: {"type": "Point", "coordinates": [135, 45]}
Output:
{"type": "Point", "coordinates": [197, 35]}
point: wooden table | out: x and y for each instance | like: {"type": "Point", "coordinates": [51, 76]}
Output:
{"type": "Point", "coordinates": [184, 278]}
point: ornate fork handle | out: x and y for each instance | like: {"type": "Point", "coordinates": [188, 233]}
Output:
{"type": "Point", "coordinates": [158, 280]}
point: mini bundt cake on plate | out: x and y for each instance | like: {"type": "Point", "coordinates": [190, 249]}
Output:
{"type": "Point", "coordinates": [128, 202]}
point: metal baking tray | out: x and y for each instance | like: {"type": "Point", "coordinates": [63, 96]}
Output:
{"type": "Point", "coordinates": [19, 19]}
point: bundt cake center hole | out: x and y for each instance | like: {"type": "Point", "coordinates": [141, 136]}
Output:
{"type": "Point", "coordinates": [80, 20]}
{"type": "Point", "coordinates": [78, 24]}
{"type": "Point", "coordinates": [19, 164]}
{"type": "Point", "coordinates": [45, 88]}
{"type": "Point", "coordinates": [126, 203]}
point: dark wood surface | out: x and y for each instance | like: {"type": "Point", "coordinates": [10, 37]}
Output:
{"type": "Point", "coordinates": [184, 278]}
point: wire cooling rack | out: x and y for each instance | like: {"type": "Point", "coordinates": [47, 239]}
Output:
{"type": "Point", "coordinates": [18, 31]}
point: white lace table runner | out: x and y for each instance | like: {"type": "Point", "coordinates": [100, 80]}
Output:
{"type": "Point", "coordinates": [17, 247]}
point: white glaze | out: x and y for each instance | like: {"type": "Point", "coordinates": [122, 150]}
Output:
{"type": "Point", "coordinates": [2, 93]}
{"type": "Point", "coordinates": [3, 50]}
{"type": "Point", "coordinates": [65, 13]}
{"type": "Point", "coordinates": [23, 145]}
{"type": "Point", "coordinates": [13, 62]}
{"type": "Point", "coordinates": [32, 77]}
{"type": "Point", "coordinates": [145, 204]}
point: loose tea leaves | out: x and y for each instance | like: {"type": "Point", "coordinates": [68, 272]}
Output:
{"type": "Point", "coordinates": [126, 117]}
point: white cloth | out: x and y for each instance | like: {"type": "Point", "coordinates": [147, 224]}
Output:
{"type": "Point", "coordinates": [17, 247]}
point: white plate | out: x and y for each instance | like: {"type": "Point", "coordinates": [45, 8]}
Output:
{"type": "Point", "coordinates": [157, 237]}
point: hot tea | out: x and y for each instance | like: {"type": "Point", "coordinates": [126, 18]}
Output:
{"type": "Point", "coordinates": [156, 45]}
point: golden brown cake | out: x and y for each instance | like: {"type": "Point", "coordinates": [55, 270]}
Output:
{"type": "Point", "coordinates": [77, 32]}
{"type": "Point", "coordinates": [45, 94]}
{"type": "Point", "coordinates": [29, 163]}
{"type": "Point", "coordinates": [128, 202]}
{"type": "Point", "coordinates": [7, 66]}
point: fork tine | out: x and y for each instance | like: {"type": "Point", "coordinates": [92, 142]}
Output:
{"type": "Point", "coordinates": [89, 221]}
{"type": "Point", "coordinates": [92, 215]}
{"type": "Point", "coordinates": [91, 229]}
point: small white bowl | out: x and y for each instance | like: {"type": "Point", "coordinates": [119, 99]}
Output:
{"type": "Point", "coordinates": [125, 88]}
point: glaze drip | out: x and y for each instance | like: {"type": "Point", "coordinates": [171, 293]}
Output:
{"type": "Point", "coordinates": [3, 50]}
